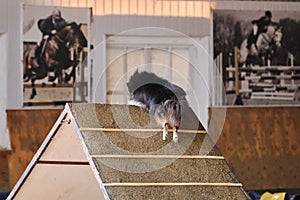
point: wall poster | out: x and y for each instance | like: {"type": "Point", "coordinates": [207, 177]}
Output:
{"type": "Point", "coordinates": [267, 56]}
{"type": "Point", "coordinates": [55, 48]}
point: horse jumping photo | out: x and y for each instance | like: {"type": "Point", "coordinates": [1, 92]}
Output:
{"type": "Point", "coordinates": [54, 55]}
{"type": "Point", "coordinates": [258, 55]}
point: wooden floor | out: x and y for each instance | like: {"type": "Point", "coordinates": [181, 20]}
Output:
{"type": "Point", "coordinates": [4, 177]}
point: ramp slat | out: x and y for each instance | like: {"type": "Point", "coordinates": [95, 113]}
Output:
{"type": "Point", "coordinates": [176, 192]}
{"type": "Point", "coordinates": [172, 184]}
{"type": "Point", "coordinates": [147, 156]}
{"type": "Point", "coordinates": [139, 130]}
{"type": "Point", "coordinates": [163, 170]}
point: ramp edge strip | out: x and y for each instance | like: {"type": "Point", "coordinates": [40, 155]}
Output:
{"type": "Point", "coordinates": [58, 162]}
{"type": "Point", "coordinates": [139, 130]}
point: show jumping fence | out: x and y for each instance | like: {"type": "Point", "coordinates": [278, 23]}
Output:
{"type": "Point", "coordinates": [264, 82]}
{"type": "Point", "coordinates": [219, 86]}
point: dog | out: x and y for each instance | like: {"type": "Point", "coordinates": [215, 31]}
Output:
{"type": "Point", "coordinates": [160, 98]}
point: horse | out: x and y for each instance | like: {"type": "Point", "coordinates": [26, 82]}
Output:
{"type": "Point", "coordinates": [53, 55]}
{"type": "Point", "coordinates": [267, 44]}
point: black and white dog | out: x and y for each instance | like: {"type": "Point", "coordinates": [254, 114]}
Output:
{"type": "Point", "coordinates": [164, 100]}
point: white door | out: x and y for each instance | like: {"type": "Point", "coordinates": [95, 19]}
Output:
{"type": "Point", "coordinates": [181, 60]}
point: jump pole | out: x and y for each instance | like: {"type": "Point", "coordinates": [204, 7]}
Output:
{"type": "Point", "coordinates": [236, 66]}
{"type": "Point", "coordinates": [238, 98]}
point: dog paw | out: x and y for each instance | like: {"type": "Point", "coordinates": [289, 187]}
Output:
{"type": "Point", "coordinates": [175, 139]}
{"type": "Point", "coordinates": [175, 136]}
{"type": "Point", "coordinates": [164, 136]}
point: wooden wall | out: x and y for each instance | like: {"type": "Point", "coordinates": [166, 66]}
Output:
{"type": "Point", "coordinates": [261, 145]}
{"type": "Point", "coordinates": [4, 180]}
{"type": "Point", "coordinates": [27, 129]}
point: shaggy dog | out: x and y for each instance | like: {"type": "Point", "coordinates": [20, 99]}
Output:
{"type": "Point", "coordinates": [162, 99]}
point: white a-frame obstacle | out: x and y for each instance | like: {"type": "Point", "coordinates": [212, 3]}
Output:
{"type": "Point", "coordinates": [60, 168]}
{"type": "Point", "coordinates": [101, 151]}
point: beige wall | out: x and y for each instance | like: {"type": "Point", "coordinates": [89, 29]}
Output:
{"type": "Point", "coordinates": [137, 7]}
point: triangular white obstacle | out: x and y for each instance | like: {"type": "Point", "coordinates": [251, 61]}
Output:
{"type": "Point", "coordinates": [60, 169]}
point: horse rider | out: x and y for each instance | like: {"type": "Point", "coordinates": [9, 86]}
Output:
{"type": "Point", "coordinates": [51, 24]}
{"type": "Point", "coordinates": [259, 26]}
{"type": "Point", "coordinates": [48, 26]}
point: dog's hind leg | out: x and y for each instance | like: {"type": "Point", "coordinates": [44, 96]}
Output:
{"type": "Point", "coordinates": [175, 134]}
{"type": "Point", "coordinates": [165, 131]}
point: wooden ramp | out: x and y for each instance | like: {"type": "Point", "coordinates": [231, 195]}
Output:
{"type": "Point", "coordinates": [98, 151]}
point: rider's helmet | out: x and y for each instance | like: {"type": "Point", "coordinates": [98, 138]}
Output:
{"type": "Point", "coordinates": [268, 14]}
{"type": "Point", "coordinates": [56, 15]}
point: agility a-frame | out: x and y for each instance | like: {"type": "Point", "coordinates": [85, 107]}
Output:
{"type": "Point", "coordinates": [94, 152]}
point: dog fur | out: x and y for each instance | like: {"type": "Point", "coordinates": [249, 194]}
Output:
{"type": "Point", "coordinates": [162, 99]}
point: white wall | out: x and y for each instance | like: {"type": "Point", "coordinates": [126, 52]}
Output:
{"type": "Point", "coordinates": [200, 80]}
{"type": "Point", "coordinates": [3, 16]}
{"type": "Point", "coordinates": [110, 25]}
{"type": "Point", "coordinates": [10, 76]}
{"type": "Point", "coordinates": [14, 75]}
{"type": "Point", "coordinates": [192, 27]}
{"type": "Point", "coordinates": [4, 138]}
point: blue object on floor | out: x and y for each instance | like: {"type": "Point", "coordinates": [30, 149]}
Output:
{"type": "Point", "coordinates": [254, 195]}
{"type": "Point", "coordinates": [294, 197]}
{"type": "Point", "coordinates": [4, 195]}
